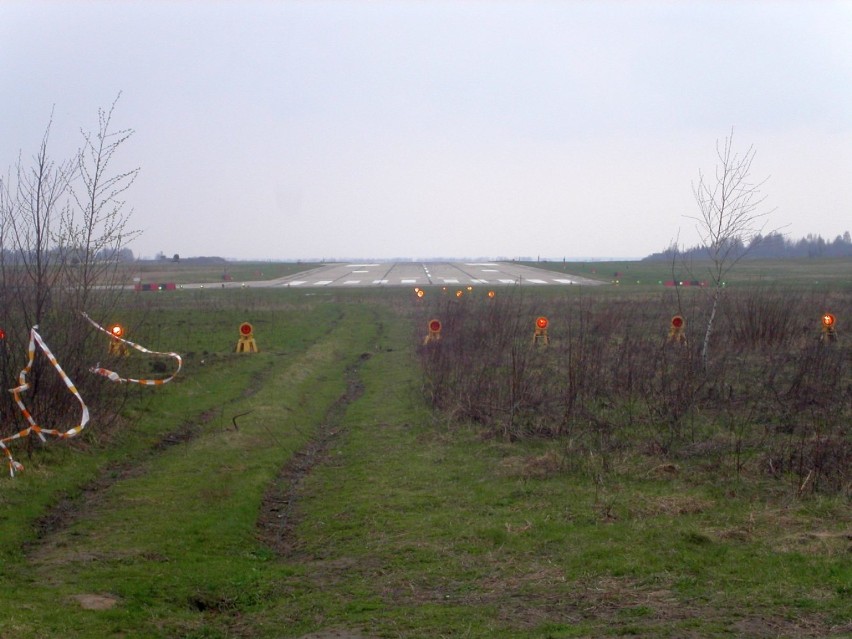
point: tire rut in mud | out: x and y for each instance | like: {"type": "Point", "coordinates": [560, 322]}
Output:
{"type": "Point", "coordinates": [279, 515]}
{"type": "Point", "coordinates": [70, 508]}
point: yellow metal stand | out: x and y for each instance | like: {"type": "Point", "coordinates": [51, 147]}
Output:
{"type": "Point", "coordinates": [118, 348]}
{"type": "Point", "coordinates": [247, 345]}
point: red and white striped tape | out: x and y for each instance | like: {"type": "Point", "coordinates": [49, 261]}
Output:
{"type": "Point", "coordinates": [115, 377]}
{"type": "Point", "coordinates": [23, 385]}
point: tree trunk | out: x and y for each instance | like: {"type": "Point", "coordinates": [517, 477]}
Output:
{"type": "Point", "coordinates": [717, 294]}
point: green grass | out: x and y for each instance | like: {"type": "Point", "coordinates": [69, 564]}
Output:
{"type": "Point", "coordinates": [409, 525]}
{"type": "Point", "coordinates": [800, 274]}
{"type": "Point", "coordinates": [463, 546]}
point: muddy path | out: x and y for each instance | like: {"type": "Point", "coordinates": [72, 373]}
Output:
{"type": "Point", "coordinates": [85, 499]}
{"type": "Point", "coordinates": [70, 508]}
{"type": "Point", "coordinates": [279, 513]}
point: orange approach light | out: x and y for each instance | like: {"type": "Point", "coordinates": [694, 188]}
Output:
{"type": "Point", "coordinates": [434, 333]}
{"type": "Point", "coordinates": [491, 294]}
{"type": "Point", "coordinates": [540, 333]}
{"type": "Point", "coordinates": [246, 343]}
{"type": "Point", "coordinates": [828, 328]}
{"type": "Point", "coordinates": [676, 329]}
{"type": "Point", "coordinates": [419, 292]}
{"type": "Point", "coordinates": [116, 346]}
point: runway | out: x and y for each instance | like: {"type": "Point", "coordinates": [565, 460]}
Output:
{"type": "Point", "coordinates": [425, 274]}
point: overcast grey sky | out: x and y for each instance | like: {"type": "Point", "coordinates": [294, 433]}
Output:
{"type": "Point", "coordinates": [421, 128]}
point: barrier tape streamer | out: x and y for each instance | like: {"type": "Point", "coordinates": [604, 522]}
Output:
{"type": "Point", "coordinates": [23, 385]}
{"type": "Point", "coordinates": [115, 377]}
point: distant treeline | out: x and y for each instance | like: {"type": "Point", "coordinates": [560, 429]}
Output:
{"type": "Point", "coordinates": [68, 255]}
{"type": "Point", "coordinates": [771, 246]}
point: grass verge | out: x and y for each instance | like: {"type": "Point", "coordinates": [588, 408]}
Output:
{"type": "Point", "coordinates": [405, 524]}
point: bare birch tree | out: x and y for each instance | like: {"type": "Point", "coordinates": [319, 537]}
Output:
{"type": "Point", "coordinates": [62, 226]}
{"type": "Point", "coordinates": [731, 214]}
{"type": "Point", "coordinates": [96, 228]}
{"type": "Point", "coordinates": [33, 206]}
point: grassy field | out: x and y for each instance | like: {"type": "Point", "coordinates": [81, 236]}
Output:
{"type": "Point", "coordinates": [308, 490]}
{"type": "Point", "coordinates": [805, 274]}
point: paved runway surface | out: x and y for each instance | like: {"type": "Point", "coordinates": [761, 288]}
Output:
{"type": "Point", "coordinates": [422, 274]}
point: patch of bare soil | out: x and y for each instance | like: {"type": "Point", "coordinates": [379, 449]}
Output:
{"type": "Point", "coordinates": [527, 600]}
{"type": "Point", "coordinates": [95, 602]}
{"type": "Point", "coordinates": [278, 517]}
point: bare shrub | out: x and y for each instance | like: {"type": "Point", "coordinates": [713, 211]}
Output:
{"type": "Point", "coordinates": [610, 379]}
{"type": "Point", "coordinates": [763, 318]}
